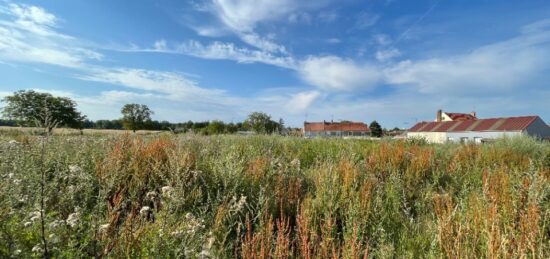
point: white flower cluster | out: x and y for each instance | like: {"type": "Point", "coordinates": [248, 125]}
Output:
{"type": "Point", "coordinates": [295, 163]}
{"type": "Point", "coordinates": [73, 220]}
{"type": "Point", "coordinates": [13, 142]}
{"type": "Point", "coordinates": [37, 249]}
{"type": "Point", "coordinates": [74, 169]}
{"type": "Point", "coordinates": [167, 191]}
{"type": "Point", "coordinates": [144, 211]}
{"type": "Point", "coordinates": [103, 227]}
{"type": "Point", "coordinates": [238, 205]}
{"type": "Point", "coordinates": [191, 227]}
{"type": "Point", "coordinates": [152, 196]}
{"type": "Point", "coordinates": [34, 216]}
{"type": "Point", "coordinates": [57, 223]}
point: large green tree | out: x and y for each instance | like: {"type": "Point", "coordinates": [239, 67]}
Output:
{"type": "Point", "coordinates": [135, 116]}
{"type": "Point", "coordinates": [375, 129]}
{"type": "Point", "coordinates": [261, 123]}
{"type": "Point", "coordinates": [30, 108]}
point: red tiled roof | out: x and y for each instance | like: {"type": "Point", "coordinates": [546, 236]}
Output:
{"type": "Point", "coordinates": [336, 126]}
{"type": "Point", "coordinates": [460, 116]}
{"type": "Point", "coordinates": [418, 126]}
{"type": "Point", "coordinates": [496, 124]}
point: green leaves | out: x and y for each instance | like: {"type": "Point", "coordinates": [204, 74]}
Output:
{"type": "Point", "coordinates": [27, 107]}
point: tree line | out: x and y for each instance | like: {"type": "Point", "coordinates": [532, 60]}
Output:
{"type": "Point", "coordinates": [28, 108]}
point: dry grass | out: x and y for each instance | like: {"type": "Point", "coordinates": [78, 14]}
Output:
{"type": "Point", "coordinates": [271, 197]}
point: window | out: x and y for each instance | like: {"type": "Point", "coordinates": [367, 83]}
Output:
{"type": "Point", "coordinates": [463, 139]}
{"type": "Point", "coordinates": [478, 140]}
{"type": "Point", "coordinates": [450, 139]}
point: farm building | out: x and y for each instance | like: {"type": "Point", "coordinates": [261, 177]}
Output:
{"type": "Point", "coordinates": [335, 129]}
{"type": "Point", "coordinates": [479, 130]}
{"type": "Point", "coordinates": [453, 116]}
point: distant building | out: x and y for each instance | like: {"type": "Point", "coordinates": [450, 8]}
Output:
{"type": "Point", "coordinates": [335, 129]}
{"type": "Point", "coordinates": [479, 130]}
{"type": "Point", "coordinates": [452, 116]}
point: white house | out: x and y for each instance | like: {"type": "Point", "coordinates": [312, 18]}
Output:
{"type": "Point", "coordinates": [478, 130]}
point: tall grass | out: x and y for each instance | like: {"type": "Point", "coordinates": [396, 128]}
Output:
{"type": "Point", "coordinates": [272, 197]}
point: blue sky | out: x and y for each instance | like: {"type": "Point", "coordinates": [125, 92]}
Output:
{"type": "Point", "coordinates": [392, 61]}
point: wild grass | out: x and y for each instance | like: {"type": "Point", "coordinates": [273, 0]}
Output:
{"type": "Point", "coordinates": [189, 196]}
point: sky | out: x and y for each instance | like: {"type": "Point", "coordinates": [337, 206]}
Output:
{"type": "Point", "coordinates": [393, 61]}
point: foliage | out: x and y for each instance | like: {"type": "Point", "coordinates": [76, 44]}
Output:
{"type": "Point", "coordinates": [27, 107]}
{"type": "Point", "coordinates": [189, 196]}
{"type": "Point", "coordinates": [375, 129]}
{"type": "Point", "coordinates": [135, 116]}
{"type": "Point", "coordinates": [261, 123]}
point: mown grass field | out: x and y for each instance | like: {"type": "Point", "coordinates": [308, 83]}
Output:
{"type": "Point", "coordinates": [186, 196]}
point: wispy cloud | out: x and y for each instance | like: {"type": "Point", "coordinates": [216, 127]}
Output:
{"type": "Point", "coordinates": [337, 74]}
{"type": "Point", "coordinates": [243, 16]}
{"type": "Point", "coordinates": [490, 69]}
{"type": "Point", "coordinates": [28, 34]}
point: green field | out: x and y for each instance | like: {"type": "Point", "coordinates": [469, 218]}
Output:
{"type": "Point", "coordinates": [187, 196]}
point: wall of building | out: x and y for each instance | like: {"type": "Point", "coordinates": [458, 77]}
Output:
{"type": "Point", "coordinates": [539, 129]}
{"type": "Point", "coordinates": [474, 136]}
{"type": "Point", "coordinates": [313, 134]}
{"type": "Point", "coordinates": [432, 137]}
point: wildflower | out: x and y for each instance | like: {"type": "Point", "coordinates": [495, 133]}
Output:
{"type": "Point", "coordinates": [204, 254]}
{"type": "Point", "coordinates": [13, 142]}
{"type": "Point", "coordinates": [73, 220]}
{"type": "Point", "coordinates": [167, 191]}
{"type": "Point", "coordinates": [35, 215]}
{"type": "Point", "coordinates": [145, 210]}
{"type": "Point", "coordinates": [57, 223]}
{"type": "Point", "coordinates": [238, 205]}
{"type": "Point", "coordinates": [17, 252]}
{"type": "Point", "coordinates": [295, 163]}
{"type": "Point", "coordinates": [10, 175]}
{"type": "Point", "coordinates": [188, 216]}
{"type": "Point", "coordinates": [37, 249]}
{"type": "Point", "coordinates": [74, 169]}
{"type": "Point", "coordinates": [103, 227]}
{"type": "Point", "coordinates": [176, 233]}
{"type": "Point", "coordinates": [27, 224]}
{"type": "Point", "coordinates": [152, 195]}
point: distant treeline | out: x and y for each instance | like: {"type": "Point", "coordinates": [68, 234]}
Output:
{"type": "Point", "coordinates": [202, 127]}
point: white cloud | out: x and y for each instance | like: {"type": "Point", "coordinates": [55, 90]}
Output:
{"type": "Point", "coordinates": [172, 85]}
{"type": "Point", "coordinates": [335, 73]}
{"type": "Point", "coordinates": [491, 69]}
{"type": "Point", "coordinates": [33, 14]}
{"type": "Point", "coordinates": [27, 34]}
{"type": "Point", "coordinates": [387, 54]}
{"type": "Point", "coordinates": [302, 100]}
{"type": "Point", "coordinates": [220, 50]}
{"type": "Point", "coordinates": [262, 43]}
{"type": "Point", "coordinates": [243, 16]}
{"type": "Point", "coordinates": [160, 45]}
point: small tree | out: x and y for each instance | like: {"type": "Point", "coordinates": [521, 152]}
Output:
{"type": "Point", "coordinates": [135, 116]}
{"type": "Point", "coordinates": [215, 127]}
{"type": "Point", "coordinates": [29, 107]}
{"type": "Point", "coordinates": [261, 123]}
{"type": "Point", "coordinates": [375, 129]}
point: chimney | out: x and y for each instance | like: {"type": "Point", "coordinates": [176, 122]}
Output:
{"type": "Point", "coordinates": [473, 114]}
{"type": "Point", "coordinates": [439, 115]}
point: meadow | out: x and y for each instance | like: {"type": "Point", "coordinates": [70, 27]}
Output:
{"type": "Point", "coordinates": [188, 196]}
